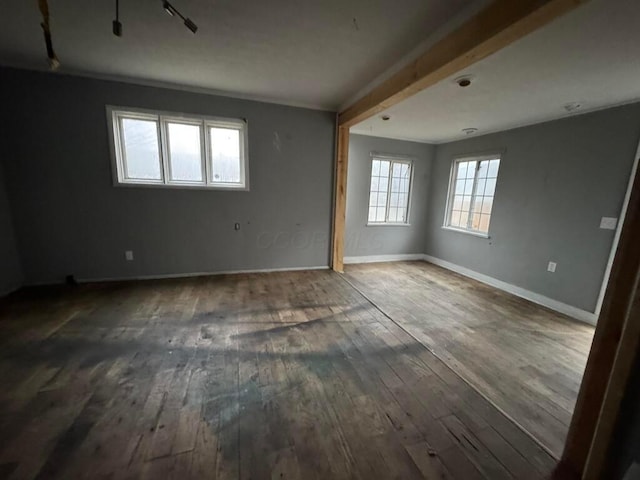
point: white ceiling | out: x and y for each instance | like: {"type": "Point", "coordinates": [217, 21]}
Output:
{"type": "Point", "coordinates": [300, 52]}
{"type": "Point", "coordinates": [590, 56]}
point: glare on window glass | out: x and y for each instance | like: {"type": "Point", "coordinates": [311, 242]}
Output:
{"type": "Point", "coordinates": [140, 138]}
{"type": "Point", "coordinates": [225, 155]}
{"type": "Point", "coordinates": [184, 152]}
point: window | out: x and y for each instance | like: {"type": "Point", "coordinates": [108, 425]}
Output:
{"type": "Point", "coordinates": [471, 193]}
{"type": "Point", "coordinates": [389, 191]}
{"type": "Point", "coordinates": [165, 149]}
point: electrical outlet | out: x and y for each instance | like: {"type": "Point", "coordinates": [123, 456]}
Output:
{"type": "Point", "coordinates": [608, 223]}
{"type": "Point", "coordinates": [552, 267]}
{"type": "Point", "coordinates": [128, 255]}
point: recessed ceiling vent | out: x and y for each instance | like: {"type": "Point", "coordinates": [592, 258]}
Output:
{"type": "Point", "coordinates": [464, 81]}
{"type": "Point", "coordinates": [469, 131]}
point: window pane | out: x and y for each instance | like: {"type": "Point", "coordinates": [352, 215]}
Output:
{"type": "Point", "coordinates": [466, 203]}
{"type": "Point", "coordinates": [483, 169]}
{"type": "Point", "coordinates": [372, 214]}
{"type": "Point", "coordinates": [382, 199]}
{"type": "Point", "coordinates": [475, 223]}
{"type": "Point", "coordinates": [459, 187]}
{"type": "Point", "coordinates": [225, 155]}
{"type": "Point", "coordinates": [462, 170]}
{"type": "Point", "coordinates": [380, 215]}
{"type": "Point", "coordinates": [477, 204]}
{"type": "Point", "coordinates": [185, 152]}
{"type": "Point", "coordinates": [383, 186]}
{"type": "Point", "coordinates": [393, 214]}
{"type": "Point", "coordinates": [455, 218]}
{"type": "Point", "coordinates": [491, 187]}
{"type": "Point", "coordinates": [457, 202]}
{"type": "Point", "coordinates": [481, 186]}
{"type": "Point", "coordinates": [487, 204]}
{"type": "Point", "coordinates": [468, 186]}
{"type": "Point", "coordinates": [484, 223]}
{"type": "Point", "coordinates": [494, 165]}
{"type": "Point", "coordinates": [375, 168]}
{"type": "Point", "coordinates": [464, 219]}
{"type": "Point", "coordinates": [374, 184]}
{"type": "Point", "coordinates": [142, 153]}
{"type": "Point", "coordinates": [471, 169]}
{"type": "Point", "coordinates": [384, 168]}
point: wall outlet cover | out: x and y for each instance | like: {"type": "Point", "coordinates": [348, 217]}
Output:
{"type": "Point", "coordinates": [128, 255]}
{"type": "Point", "coordinates": [608, 223]}
{"type": "Point", "coordinates": [552, 267]}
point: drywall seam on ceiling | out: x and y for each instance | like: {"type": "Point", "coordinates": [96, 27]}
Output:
{"type": "Point", "coordinates": [168, 85]}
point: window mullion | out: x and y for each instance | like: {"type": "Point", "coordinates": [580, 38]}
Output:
{"type": "Point", "coordinates": [163, 146]}
{"type": "Point", "coordinates": [473, 197]}
{"type": "Point", "coordinates": [204, 148]}
{"type": "Point", "coordinates": [389, 182]}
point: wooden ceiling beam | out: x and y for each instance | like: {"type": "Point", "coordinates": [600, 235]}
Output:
{"type": "Point", "coordinates": [499, 25]}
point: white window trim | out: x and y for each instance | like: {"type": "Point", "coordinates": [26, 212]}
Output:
{"type": "Point", "coordinates": [398, 159]}
{"type": "Point", "coordinates": [451, 192]}
{"type": "Point", "coordinates": [118, 156]}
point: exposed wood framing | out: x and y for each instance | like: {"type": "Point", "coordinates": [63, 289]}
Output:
{"type": "Point", "coordinates": [500, 24]}
{"type": "Point", "coordinates": [342, 161]}
{"type": "Point", "coordinates": [612, 354]}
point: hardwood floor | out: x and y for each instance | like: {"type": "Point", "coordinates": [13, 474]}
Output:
{"type": "Point", "coordinates": [282, 375]}
{"type": "Point", "coordinates": [527, 359]}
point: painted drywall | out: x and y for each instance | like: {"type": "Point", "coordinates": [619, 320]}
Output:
{"type": "Point", "coordinates": [362, 240]}
{"type": "Point", "coordinates": [556, 181]}
{"type": "Point", "coordinates": [10, 270]}
{"type": "Point", "coordinates": [70, 219]}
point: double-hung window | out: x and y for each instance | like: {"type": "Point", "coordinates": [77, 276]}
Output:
{"type": "Point", "coordinates": [389, 191]}
{"type": "Point", "coordinates": [471, 193]}
{"type": "Point", "coordinates": [169, 149]}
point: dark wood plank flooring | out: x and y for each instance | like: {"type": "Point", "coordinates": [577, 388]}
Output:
{"type": "Point", "coordinates": [283, 375]}
{"type": "Point", "coordinates": [526, 358]}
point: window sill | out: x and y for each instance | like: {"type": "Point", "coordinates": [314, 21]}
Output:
{"type": "Point", "coordinates": [467, 232]}
{"type": "Point", "coordinates": [183, 186]}
{"type": "Point", "coordinates": [389, 224]}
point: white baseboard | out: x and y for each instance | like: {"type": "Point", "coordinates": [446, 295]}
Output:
{"type": "Point", "coordinates": [198, 274]}
{"type": "Point", "coordinates": [569, 310]}
{"type": "Point", "coordinates": [384, 258]}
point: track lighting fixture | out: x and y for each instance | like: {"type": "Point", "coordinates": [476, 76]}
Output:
{"type": "Point", "coordinates": [171, 10]}
{"type": "Point", "coordinates": [117, 26]}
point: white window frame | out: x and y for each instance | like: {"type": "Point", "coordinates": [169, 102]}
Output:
{"type": "Point", "coordinates": [451, 192]}
{"type": "Point", "coordinates": [392, 159]}
{"type": "Point", "coordinates": [115, 115]}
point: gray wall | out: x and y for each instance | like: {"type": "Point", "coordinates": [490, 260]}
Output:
{"type": "Point", "coordinates": [10, 271]}
{"type": "Point", "coordinates": [361, 240]}
{"type": "Point", "coordinates": [556, 181]}
{"type": "Point", "coordinates": [70, 219]}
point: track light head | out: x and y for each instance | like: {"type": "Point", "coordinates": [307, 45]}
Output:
{"type": "Point", "coordinates": [168, 8]}
{"type": "Point", "coordinates": [117, 28]}
{"type": "Point", "coordinates": [190, 25]}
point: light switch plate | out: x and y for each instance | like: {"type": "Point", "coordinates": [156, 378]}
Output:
{"type": "Point", "coordinates": [552, 267]}
{"type": "Point", "coordinates": [608, 223]}
{"type": "Point", "coordinates": [128, 255]}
